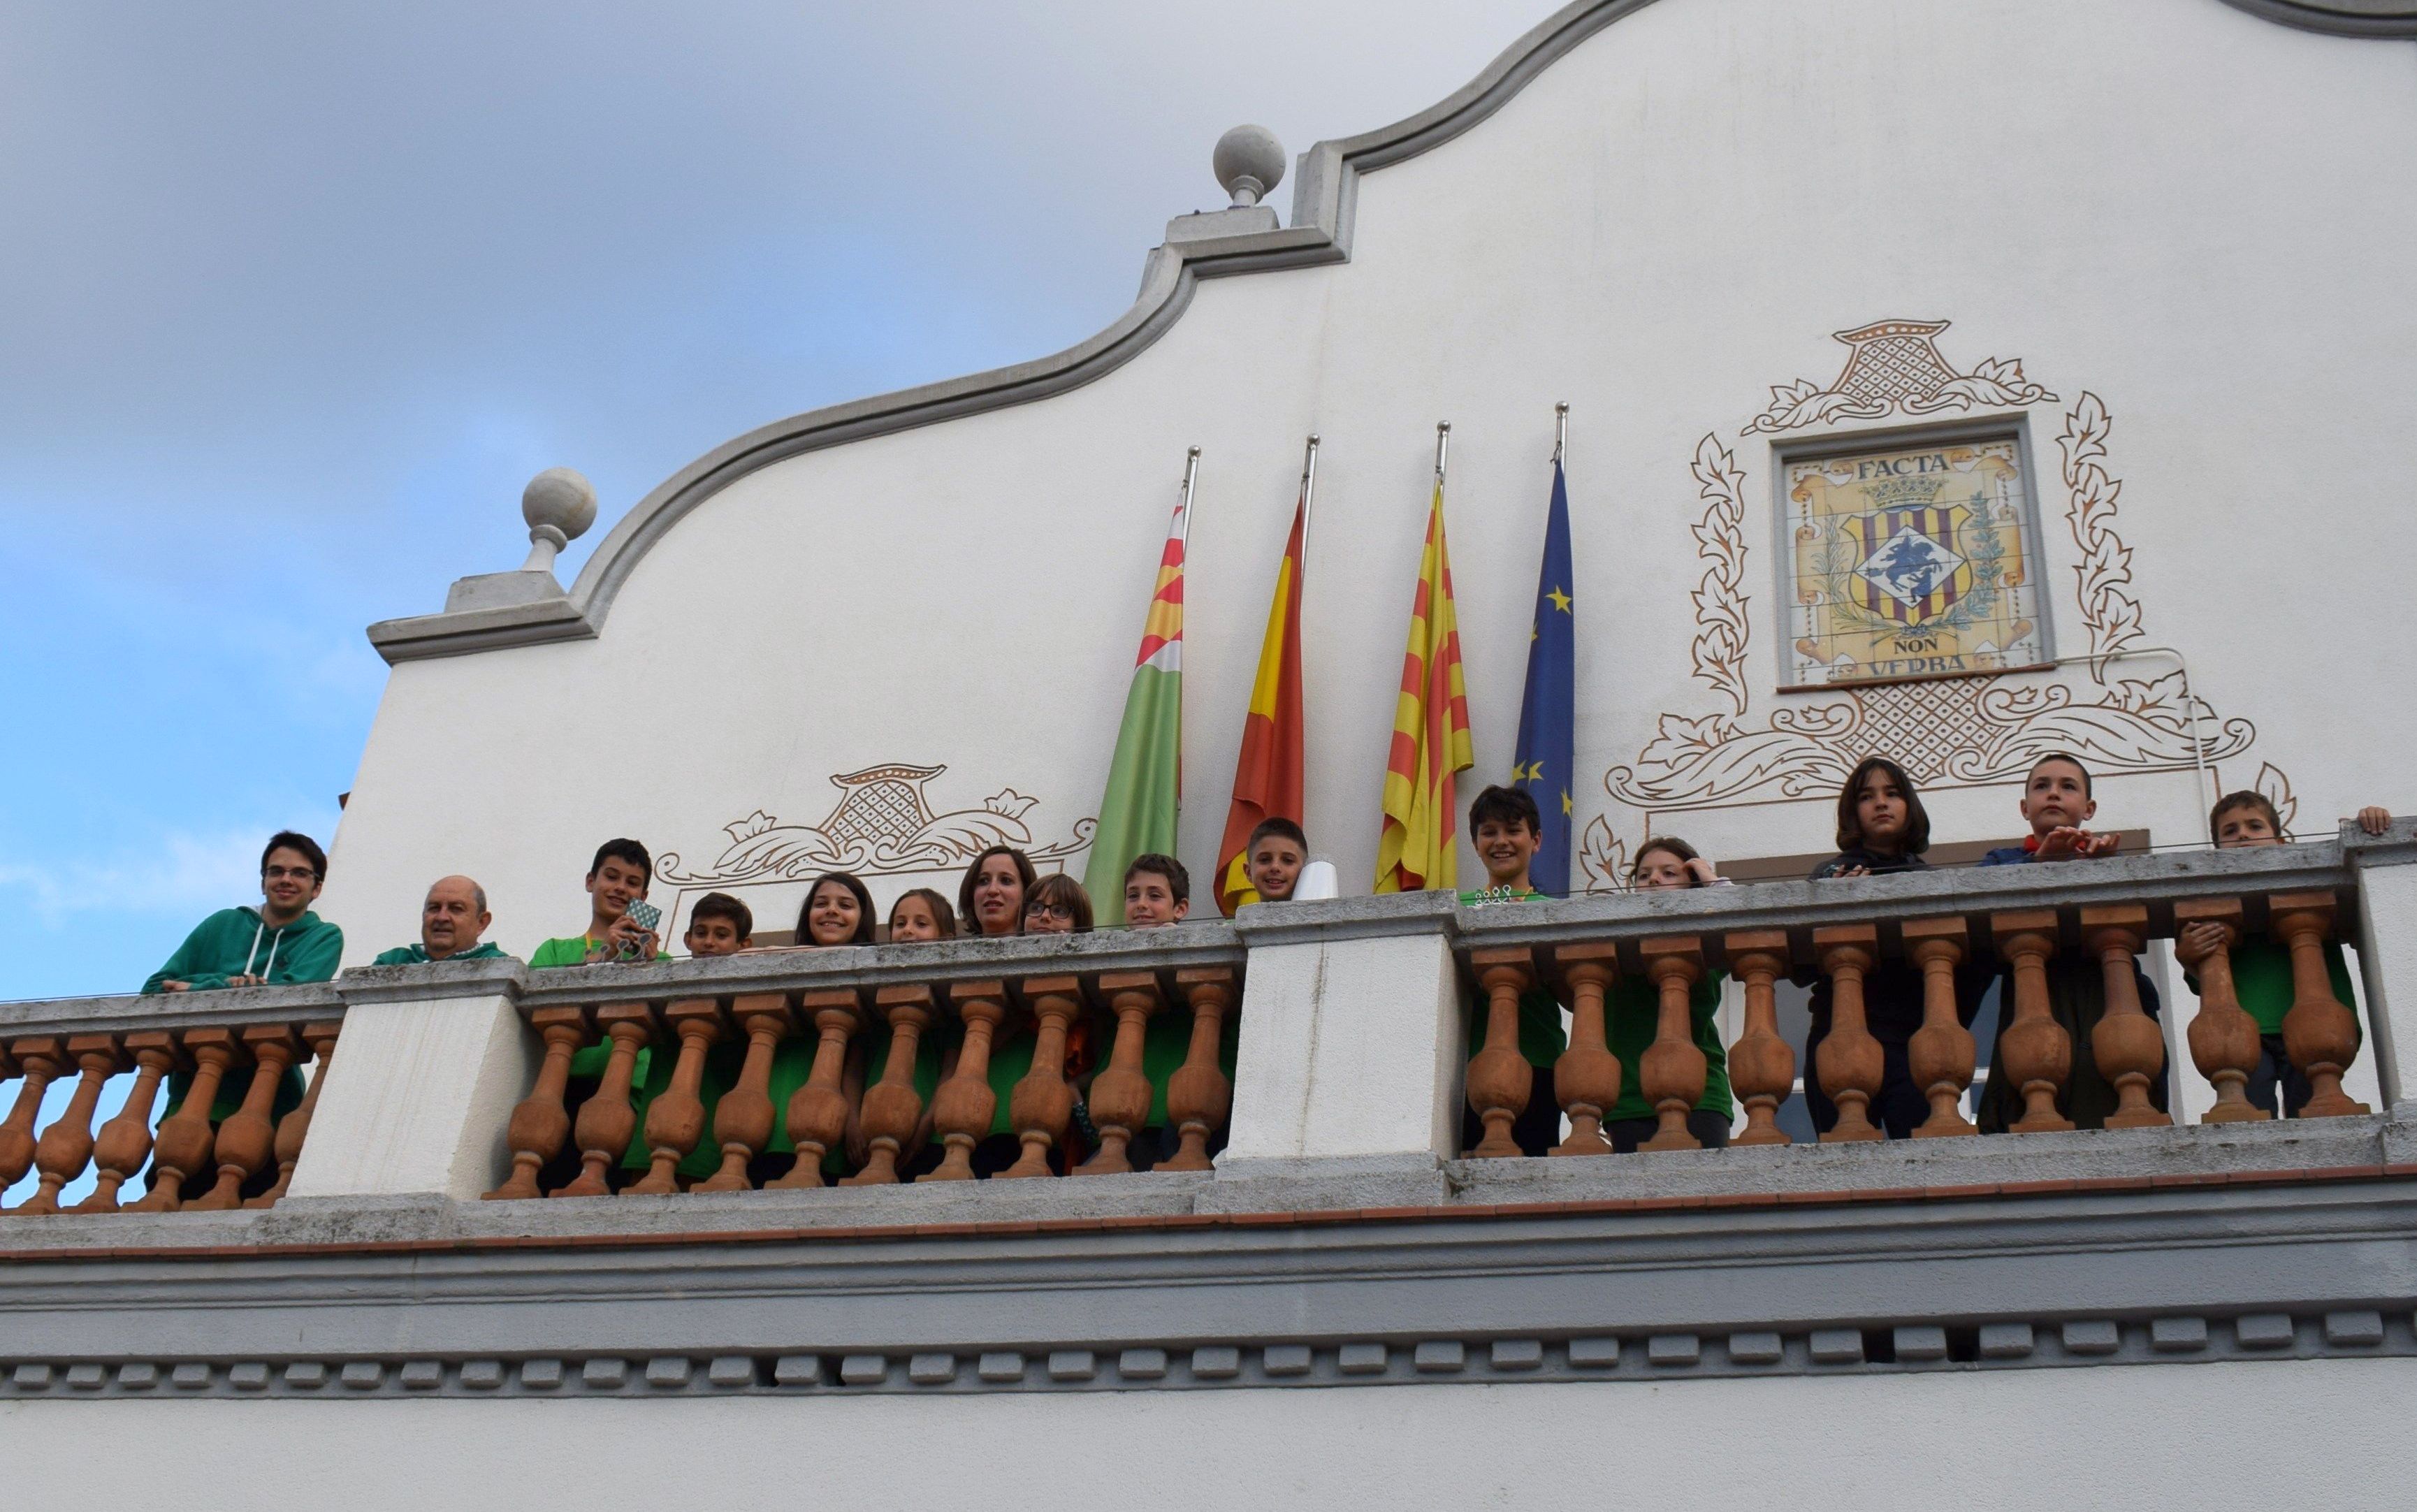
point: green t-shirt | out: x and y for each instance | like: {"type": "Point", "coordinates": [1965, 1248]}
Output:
{"type": "Point", "coordinates": [1541, 1039]}
{"type": "Point", "coordinates": [1631, 1012]}
{"type": "Point", "coordinates": [2261, 978]}
{"type": "Point", "coordinates": [571, 950]}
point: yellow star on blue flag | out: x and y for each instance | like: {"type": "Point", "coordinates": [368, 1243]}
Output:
{"type": "Point", "coordinates": [1548, 709]}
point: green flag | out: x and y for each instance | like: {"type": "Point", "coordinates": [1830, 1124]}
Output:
{"type": "Point", "coordinates": [1145, 777]}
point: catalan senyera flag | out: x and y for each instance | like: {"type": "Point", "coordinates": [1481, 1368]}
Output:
{"type": "Point", "coordinates": [1145, 777]}
{"type": "Point", "coordinates": [1268, 773]}
{"type": "Point", "coordinates": [1546, 753]}
{"type": "Point", "coordinates": [1417, 848]}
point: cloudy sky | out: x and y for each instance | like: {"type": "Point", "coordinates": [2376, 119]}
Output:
{"type": "Point", "coordinates": [295, 298]}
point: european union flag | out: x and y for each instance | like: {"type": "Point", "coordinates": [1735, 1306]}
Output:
{"type": "Point", "coordinates": [1547, 750]}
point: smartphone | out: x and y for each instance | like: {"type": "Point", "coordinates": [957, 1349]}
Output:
{"type": "Point", "coordinates": [645, 916]}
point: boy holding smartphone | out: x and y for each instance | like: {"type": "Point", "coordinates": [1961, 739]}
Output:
{"type": "Point", "coordinates": [618, 927]}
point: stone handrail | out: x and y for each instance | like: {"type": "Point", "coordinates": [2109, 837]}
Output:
{"type": "Point", "coordinates": [977, 989]}
{"type": "Point", "coordinates": [2099, 915]}
{"type": "Point", "coordinates": [246, 1037]}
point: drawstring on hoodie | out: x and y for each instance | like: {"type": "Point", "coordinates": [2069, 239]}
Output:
{"type": "Point", "coordinates": [258, 924]}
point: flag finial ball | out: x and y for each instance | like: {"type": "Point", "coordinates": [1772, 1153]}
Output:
{"type": "Point", "coordinates": [559, 504]}
{"type": "Point", "coordinates": [1249, 162]}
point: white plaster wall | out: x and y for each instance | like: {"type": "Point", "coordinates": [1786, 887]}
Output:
{"type": "Point", "coordinates": [2198, 215]}
{"type": "Point", "coordinates": [2146, 1437]}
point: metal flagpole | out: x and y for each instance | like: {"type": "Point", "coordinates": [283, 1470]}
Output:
{"type": "Point", "coordinates": [1561, 430]}
{"type": "Point", "coordinates": [1191, 472]}
{"type": "Point", "coordinates": [1443, 443]}
{"type": "Point", "coordinates": [1308, 489]}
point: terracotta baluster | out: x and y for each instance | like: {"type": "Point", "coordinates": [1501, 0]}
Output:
{"type": "Point", "coordinates": [964, 1106]}
{"type": "Point", "coordinates": [2223, 1035]}
{"type": "Point", "coordinates": [2127, 1044]}
{"type": "Point", "coordinates": [1671, 1071]}
{"type": "Point", "coordinates": [1121, 1093]}
{"type": "Point", "coordinates": [675, 1119]}
{"type": "Point", "coordinates": [296, 1125]}
{"type": "Point", "coordinates": [892, 1108]}
{"type": "Point", "coordinates": [1044, 1102]}
{"type": "Point", "coordinates": [742, 1120]}
{"type": "Point", "coordinates": [66, 1147]}
{"type": "Point", "coordinates": [541, 1123]}
{"type": "Point", "coordinates": [1762, 1066]}
{"type": "Point", "coordinates": [1586, 1078]}
{"type": "Point", "coordinates": [1941, 1055]}
{"type": "Point", "coordinates": [1851, 1061]}
{"type": "Point", "coordinates": [124, 1141]}
{"type": "Point", "coordinates": [2321, 1033]}
{"type": "Point", "coordinates": [2037, 1051]}
{"type": "Point", "coordinates": [606, 1122]}
{"type": "Point", "coordinates": [39, 1062]}
{"type": "Point", "coordinates": [246, 1141]}
{"type": "Point", "coordinates": [818, 1109]}
{"type": "Point", "coordinates": [1499, 1079]}
{"type": "Point", "coordinates": [181, 1150]}
{"type": "Point", "coordinates": [1199, 1095]}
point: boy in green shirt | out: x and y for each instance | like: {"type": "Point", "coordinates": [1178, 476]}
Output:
{"type": "Point", "coordinates": [619, 877]}
{"type": "Point", "coordinates": [2262, 965]}
{"type": "Point", "coordinates": [451, 918]}
{"type": "Point", "coordinates": [1507, 829]}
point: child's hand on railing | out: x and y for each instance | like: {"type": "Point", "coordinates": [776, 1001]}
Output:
{"type": "Point", "coordinates": [2373, 820]}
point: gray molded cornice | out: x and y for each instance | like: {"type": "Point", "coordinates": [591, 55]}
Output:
{"type": "Point", "coordinates": [1325, 195]}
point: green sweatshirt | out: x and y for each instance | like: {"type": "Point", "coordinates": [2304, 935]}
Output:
{"type": "Point", "coordinates": [234, 941]}
{"type": "Point", "coordinates": [1542, 1038]}
{"type": "Point", "coordinates": [416, 955]}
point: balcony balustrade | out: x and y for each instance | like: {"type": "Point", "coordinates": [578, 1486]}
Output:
{"type": "Point", "coordinates": [1353, 1019]}
{"type": "Point", "coordinates": [205, 1156]}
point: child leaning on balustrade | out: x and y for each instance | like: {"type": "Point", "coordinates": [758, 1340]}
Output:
{"type": "Point", "coordinates": [2262, 965]}
{"type": "Point", "coordinates": [1505, 828]}
{"type": "Point", "coordinates": [1632, 1010]}
{"type": "Point", "coordinates": [1883, 829]}
{"type": "Point", "coordinates": [2059, 804]}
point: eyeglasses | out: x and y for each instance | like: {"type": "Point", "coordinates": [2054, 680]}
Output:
{"type": "Point", "coordinates": [1049, 911]}
{"type": "Point", "coordinates": [280, 873]}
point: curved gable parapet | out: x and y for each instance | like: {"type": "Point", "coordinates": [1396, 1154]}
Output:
{"type": "Point", "coordinates": [1197, 247]}
{"type": "Point", "coordinates": [2341, 18]}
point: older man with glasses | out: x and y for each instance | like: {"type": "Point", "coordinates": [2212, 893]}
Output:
{"type": "Point", "coordinates": [280, 942]}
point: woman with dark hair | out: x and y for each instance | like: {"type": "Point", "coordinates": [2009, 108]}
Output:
{"type": "Point", "coordinates": [1882, 828]}
{"type": "Point", "coordinates": [837, 911]}
{"type": "Point", "coordinates": [991, 899]}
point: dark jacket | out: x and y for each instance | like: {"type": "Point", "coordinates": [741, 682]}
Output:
{"type": "Point", "coordinates": [1892, 987]}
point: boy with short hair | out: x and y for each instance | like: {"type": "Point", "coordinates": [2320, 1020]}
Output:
{"type": "Point", "coordinates": [1277, 852]}
{"type": "Point", "coordinates": [2262, 965]}
{"type": "Point", "coordinates": [451, 918]}
{"type": "Point", "coordinates": [2058, 801]}
{"type": "Point", "coordinates": [1158, 892]}
{"type": "Point", "coordinates": [619, 877]}
{"type": "Point", "coordinates": [280, 942]}
{"type": "Point", "coordinates": [718, 925]}
{"type": "Point", "coordinates": [1506, 829]}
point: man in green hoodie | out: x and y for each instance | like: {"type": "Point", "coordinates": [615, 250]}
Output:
{"type": "Point", "coordinates": [451, 922]}
{"type": "Point", "coordinates": [280, 942]}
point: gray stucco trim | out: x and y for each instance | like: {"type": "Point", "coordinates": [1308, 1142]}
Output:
{"type": "Point", "coordinates": [2382, 19]}
{"type": "Point", "coordinates": [2312, 1271]}
{"type": "Point", "coordinates": [1325, 199]}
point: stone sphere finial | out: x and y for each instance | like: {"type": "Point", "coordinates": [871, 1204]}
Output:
{"type": "Point", "coordinates": [559, 504]}
{"type": "Point", "coordinates": [1250, 162]}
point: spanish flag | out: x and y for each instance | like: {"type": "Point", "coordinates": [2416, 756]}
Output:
{"type": "Point", "coordinates": [1431, 743]}
{"type": "Point", "coordinates": [1145, 777]}
{"type": "Point", "coordinates": [1267, 773]}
